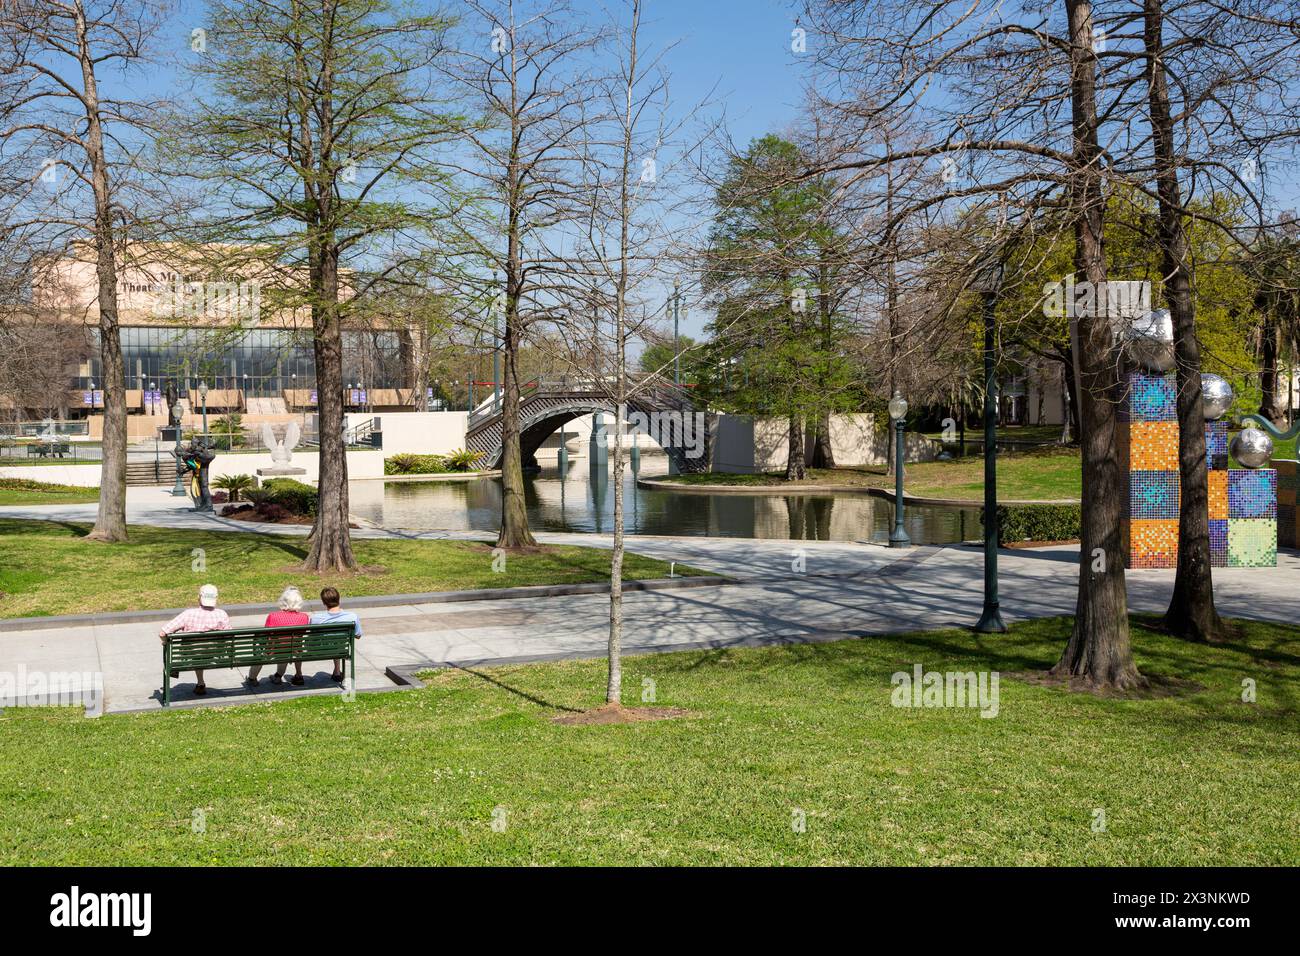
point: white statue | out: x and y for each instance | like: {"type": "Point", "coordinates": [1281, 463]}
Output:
{"type": "Point", "coordinates": [281, 451]}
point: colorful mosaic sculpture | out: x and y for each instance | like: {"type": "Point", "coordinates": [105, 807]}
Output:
{"type": "Point", "coordinates": [1288, 519]}
{"type": "Point", "coordinates": [1244, 505]}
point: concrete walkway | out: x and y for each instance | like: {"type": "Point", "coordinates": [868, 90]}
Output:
{"type": "Point", "coordinates": [787, 591]}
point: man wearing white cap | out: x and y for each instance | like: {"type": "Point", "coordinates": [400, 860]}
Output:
{"type": "Point", "coordinates": [206, 617]}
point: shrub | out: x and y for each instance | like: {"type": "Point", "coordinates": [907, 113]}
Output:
{"type": "Point", "coordinates": [228, 432]}
{"type": "Point", "coordinates": [235, 484]}
{"type": "Point", "coordinates": [1038, 523]}
{"type": "Point", "coordinates": [293, 496]}
{"type": "Point", "coordinates": [415, 465]}
{"type": "Point", "coordinates": [274, 512]}
{"type": "Point", "coordinates": [463, 459]}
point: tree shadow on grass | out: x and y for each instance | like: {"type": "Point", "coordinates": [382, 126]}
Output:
{"type": "Point", "coordinates": [516, 691]}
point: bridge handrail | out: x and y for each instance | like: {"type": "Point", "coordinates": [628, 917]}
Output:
{"type": "Point", "coordinates": [572, 385]}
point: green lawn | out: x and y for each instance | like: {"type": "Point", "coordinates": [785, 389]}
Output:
{"type": "Point", "coordinates": [48, 568]}
{"type": "Point", "coordinates": [1048, 473]}
{"type": "Point", "coordinates": [415, 777]}
{"type": "Point", "coordinates": [21, 491]}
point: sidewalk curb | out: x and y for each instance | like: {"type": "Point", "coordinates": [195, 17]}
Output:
{"type": "Point", "coordinates": [376, 600]}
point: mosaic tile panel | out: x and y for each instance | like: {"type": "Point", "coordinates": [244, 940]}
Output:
{"type": "Point", "coordinates": [1216, 445]}
{"type": "Point", "coordinates": [1288, 514]}
{"type": "Point", "coordinates": [1219, 542]}
{"type": "Point", "coordinates": [1218, 489]}
{"type": "Point", "coordinates": [1153, 542]}
{"type": "Point", "coordinates": [1151, 398]}
{"type": "Point", "coordinates": [1153, 446]}
{"type": "Point", "coordinates": [1252, 494]}
{"type": "Point", "coordinates": [1252, 542]}
{"type": "Point", "coordinates": [1153, 494]}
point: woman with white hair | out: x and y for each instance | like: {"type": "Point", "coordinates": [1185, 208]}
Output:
{"type": "Point", "coordinates": [290, 613]}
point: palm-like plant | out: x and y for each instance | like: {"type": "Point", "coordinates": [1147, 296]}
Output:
{"type": "Point", "coordinates": [463, 459]}
{"type": "Point", "coordinates": [234, 485]}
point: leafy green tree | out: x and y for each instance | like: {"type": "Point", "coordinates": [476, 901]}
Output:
{"type": "Point", "coordinates": [313, 112]}
{"type": "Point", "coordinates": [775, 344]}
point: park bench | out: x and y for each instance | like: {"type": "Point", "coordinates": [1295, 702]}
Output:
{"type": "Point", "coordinates": [245, 646]}
{"type": "Point", "coordinates": [46, 449]}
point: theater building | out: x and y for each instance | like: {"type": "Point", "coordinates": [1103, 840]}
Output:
{"type": "Point", "coordinates": [245, 334]}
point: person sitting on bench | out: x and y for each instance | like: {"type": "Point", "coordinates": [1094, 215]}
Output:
{"type": "Point", "coordinates": [206, 617]}
{"type": "Point", "coordinates": [333, 615]}
{"type": "Point", "coordinates": [290, 613]}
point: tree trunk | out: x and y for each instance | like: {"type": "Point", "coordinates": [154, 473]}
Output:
{"type": "Point", "coordinates": [795, 469]}
{"type": "Point", "coordinates": [823, 455]}
{"type": "Point", "coordinates": [110, 518]}
{"type": "Point", "coordinates": [514, 511]}
{"type": "Point", "coordinates": [330, 546]}
{"type": "Point", "coordinates": [1098, 651]}
{"type": "Point", "coordinates": [1270, 403]}
{"type": "Point", "coordinates": [614, 681]}
{"type": "Point", "coordinates": [1191, 612]}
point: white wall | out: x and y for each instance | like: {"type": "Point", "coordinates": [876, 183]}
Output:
{"type": "Point", "coordinates": [745, 445]}
{"type": "Point", "coordinates": [361, 464]}
{"type": "Point", "coordinates": [418, 433]}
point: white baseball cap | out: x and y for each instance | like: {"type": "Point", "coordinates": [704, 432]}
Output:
{"type": "Point", "coordinates": [208, 595]}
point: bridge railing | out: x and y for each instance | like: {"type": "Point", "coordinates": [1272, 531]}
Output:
{"type": "Point", "coordinates": [575, 385]}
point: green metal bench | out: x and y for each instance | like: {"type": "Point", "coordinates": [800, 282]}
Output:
{"type": "Point", "coordinates": [245, 646]}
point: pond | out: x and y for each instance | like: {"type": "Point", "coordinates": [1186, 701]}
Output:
{"type": "Point", "coordinates": [584, 501]}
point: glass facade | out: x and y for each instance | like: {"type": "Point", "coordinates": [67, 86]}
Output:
{"type": "Point", "coordinates": [260, 362]}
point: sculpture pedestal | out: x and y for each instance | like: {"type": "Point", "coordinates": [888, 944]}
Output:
{"type": "Point", "coordinates": [280, 471]}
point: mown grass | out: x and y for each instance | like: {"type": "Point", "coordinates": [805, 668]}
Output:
{"type": "Point", "coordinates": [50, 568]}
{"type": "Point", "coordinates": [415, 777]}
{"type": "Point", "coordinates": [1050, 473]}
{"type": "Point", "coordinates": [23, 491]}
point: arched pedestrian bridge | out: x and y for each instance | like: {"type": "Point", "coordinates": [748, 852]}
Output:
{"type": "Point", "coordinates": [664, 411]}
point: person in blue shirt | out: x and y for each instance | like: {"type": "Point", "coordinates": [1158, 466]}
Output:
{"type": "Point", "coordinates": [334, 615]}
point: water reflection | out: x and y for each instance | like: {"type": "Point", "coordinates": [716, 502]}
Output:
{"type": "Point", "coordinates": [583, 500]}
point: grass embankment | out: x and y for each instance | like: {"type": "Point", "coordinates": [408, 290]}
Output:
{"type": "Point", "coordinates": [48, 568]}
{"type": "Point", "coordinates": [415, 777]}
{"type": "Point", "coordinates": [1049, 473]}
{"type": "Point", "coordinates": [22, 491]}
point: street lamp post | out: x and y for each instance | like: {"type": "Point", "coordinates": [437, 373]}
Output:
{"type": "Point", "coordinates": [677, 318]}
{"type": "Point", "coordinates": [897, 413]}
{"type": "Point", "coordinates": [178, 490]}
{"type": "Point", "coordinates": [989, 282]}
{"type": "Point", "coordinates": [203, 397]}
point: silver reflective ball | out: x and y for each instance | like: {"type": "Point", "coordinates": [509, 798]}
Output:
{"type": "Point", "coordinates": [1216, 396]}
{"type": "Point", "coordinates": [1252, 448]}
{"type": "Point", "coordinates": [1151, 341]}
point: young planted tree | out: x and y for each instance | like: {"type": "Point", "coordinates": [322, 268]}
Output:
{"type": "Point", "coordinates": [314, 115]}
{"type": "Point", "coordinates": [66, 146]}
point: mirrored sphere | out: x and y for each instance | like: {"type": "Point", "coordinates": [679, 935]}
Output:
{"type": "Point", "coordinates": [1252, 448]}
{"type": "Point", "coordinates": [1216, 396]}
{"type": "Point", "coordinates": [1151, 341]}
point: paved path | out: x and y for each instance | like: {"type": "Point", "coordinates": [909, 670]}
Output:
{"type": "Point", "coordinates": [786, 591]}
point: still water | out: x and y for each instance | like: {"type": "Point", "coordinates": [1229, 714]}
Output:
{"type": "Point", "coordinates": [583, 501]}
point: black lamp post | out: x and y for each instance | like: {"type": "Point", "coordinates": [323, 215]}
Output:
{"type": "Point", "coordinates": [989, 283]}
{"type": "Point", "coordinates": [897, 413]}
{"type": "Point", "coordinates": [178, 490]}
{"type": "Point", "coordinates": [203, 397]}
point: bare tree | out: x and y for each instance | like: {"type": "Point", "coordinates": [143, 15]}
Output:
{"type": "Point", "coordinates": [60, 129]}
{"type": "Point", "coordinates": [523, 74]}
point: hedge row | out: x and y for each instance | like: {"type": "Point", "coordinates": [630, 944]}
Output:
{"type": "Point", "coordinates": [1018, 523]}
{"type": "Point", "coordinates": [415, 465]}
